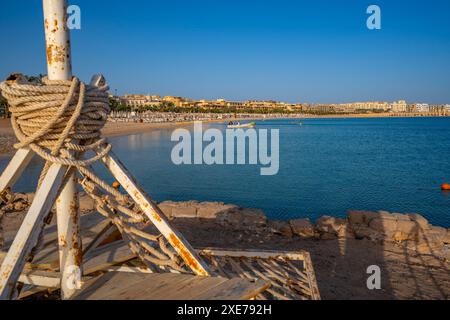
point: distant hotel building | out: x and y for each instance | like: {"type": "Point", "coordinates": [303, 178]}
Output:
{"type": "Point", "coordinates": [422, 107]}
{"type": "Point", "coordinates": [399, 106]}
{"type": "Point", "coordinates": [139, 100]}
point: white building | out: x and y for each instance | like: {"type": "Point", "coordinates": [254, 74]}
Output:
{"type": "Point", "coordinates": [399, 106]}
{"type": "Point", "coordinates": [422, 107]}
{"type": "Point", "coordinates": [139, 100]}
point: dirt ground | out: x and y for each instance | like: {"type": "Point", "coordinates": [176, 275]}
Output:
{"type": "Point", "coordinates": [340, 265]}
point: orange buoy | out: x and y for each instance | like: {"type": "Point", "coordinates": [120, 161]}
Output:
{"type": "Point", "coordinates": [116, 185]}
{"type": "Point", "coordinates": [445, 187]}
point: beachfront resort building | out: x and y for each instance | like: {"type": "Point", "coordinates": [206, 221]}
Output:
{"type": "Point", "coordinates": [361, 106]}
{"type": "Point", "coordinates": [399, 106]}
{"type": "Point", "coordinates": [139, 100]}
{"type": "Point", "coordinates": [422, 107]}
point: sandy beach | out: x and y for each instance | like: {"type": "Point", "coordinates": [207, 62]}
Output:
{"type": "Point", "coordinates": [111, 129]}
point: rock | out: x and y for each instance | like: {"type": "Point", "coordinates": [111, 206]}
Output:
{"type": "Point", "coordinates": [409, 229]}
{"type": "Point", "coordinates": [281, 227]}
{"type": "Point", "coordinates": [425, 248]}
{"type": "Point", "coordinates": [364, 232]}
{"type": "Point", "coordinates": [166, 208]}
{"type": "Point", "coordinates": [346, 232]}
{"type": "Point", "coordinates": [20, 206]}
{"type": "Point", "coordinates": [361, 217]}
{"type": "Point", "coordinates": [429, 241]}
{"type": "Point", "coordinates": [400, 217]}
{"type": "Point", "coordinates": [30, 197]}
{"type": "Point", "coordinates": [241, 218]}
{"type": "Point", "coordinates": [443, 253]}
{"type": "Point", "coordinates": [335, 226]}
{"type": "Point", "coordinates": [420, 220]}
{"type": "Point", "coordinates": [20, 197]}
{"type": "Point", "coordinates": [435, 235]}
{"type": "Point", "coordinates": [210, 210]}
{"type": "Point", "coordinates": [399, 236]}
{"type": "Point", "coordinates": [184, 210]}
{"type": "Point", "coordinates": [356, 216]}
{"type": "Point", "coordinates": [384, 224]}
{"type": "Point", "coordinates": [447, 237]}
{"type": "Point", "coordinates": [328, 236]}
{"type": "Point", "coordinates": [302, 228]}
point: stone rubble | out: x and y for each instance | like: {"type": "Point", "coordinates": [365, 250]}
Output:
{"type": "Point", "coordinates": [412, 231]}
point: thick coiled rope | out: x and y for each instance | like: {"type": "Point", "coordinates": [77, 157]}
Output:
{"type": "Point", "coordinates": [56, 118]}
{"type": "Point", "coordinates": [61, 121]}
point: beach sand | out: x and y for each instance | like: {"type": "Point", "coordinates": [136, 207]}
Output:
{"type": "Point", "coordinates": [112, 129]}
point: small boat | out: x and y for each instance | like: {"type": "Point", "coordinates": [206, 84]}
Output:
{"type": "Point", "coordinates": [237, 125]}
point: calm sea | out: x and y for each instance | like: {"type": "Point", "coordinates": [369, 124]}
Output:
{"type": "Point", "coordinates": [327, 166]}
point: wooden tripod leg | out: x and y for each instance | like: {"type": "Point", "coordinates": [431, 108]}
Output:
{"type": "Point", "coordinates": [28, 233]}
{"type": "Point", "coordinates": [156, 216]}
{"type": "Point", "coordinates": [15, 168]}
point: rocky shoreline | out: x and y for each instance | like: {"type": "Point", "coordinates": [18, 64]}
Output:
{"type": "Point", "coordinates": [412, 254]}
{"type": "Point", "coordinates": [410, 230]}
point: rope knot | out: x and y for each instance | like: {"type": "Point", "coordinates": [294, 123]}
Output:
{"type": "Point", "coordinates": [58, 119]}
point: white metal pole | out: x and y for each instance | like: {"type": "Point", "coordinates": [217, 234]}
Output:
{"type": "Point", "coordinates": [59, 67]}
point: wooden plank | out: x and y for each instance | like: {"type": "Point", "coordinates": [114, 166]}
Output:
{"type": "Point", "coordinates": [167, 286]}
{"type": "Point", "coordinates": [15, 168]}
{"type": "Point", "coordinates": [156, 216]}
{"type": "Point", "coordinates": [160, 288]}
{"type": "Point", "coordinates": [264, 254]}
{"type": "Point", "coordinates": [235, 289]}
{"type": "Point", "coordinates": [312, 278]}
{"type": "Point", "coordinates": [40, 278]}
{"type": "Point", "coordinates": [91, 225]}
{"type": "Point", "coordinates": [107, 256]}
{"type": "Point", "coordinates": [186, 288]}
{"type": "Point", "coordinates": [28, 233]}
{"type": "Point", "coordinates": [109, 285]}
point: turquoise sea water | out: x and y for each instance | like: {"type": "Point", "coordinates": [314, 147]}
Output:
{"type": "Point", "coordinates": [327, 166]}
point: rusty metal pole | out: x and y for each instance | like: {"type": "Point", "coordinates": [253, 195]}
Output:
{"type": "Point", "coordinates": [59, 67]}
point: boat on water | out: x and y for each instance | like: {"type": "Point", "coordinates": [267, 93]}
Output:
{"type": "Point", "coordinates": [238, 125]}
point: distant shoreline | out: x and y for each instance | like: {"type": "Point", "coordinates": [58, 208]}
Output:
{"type": "Point", "coordinates": [116, 129]}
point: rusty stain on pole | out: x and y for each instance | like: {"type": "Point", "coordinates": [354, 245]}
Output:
{"type": "Point", "coordinates": [57, 37]}
{"type": "Point", "coordinates": [59, 65]}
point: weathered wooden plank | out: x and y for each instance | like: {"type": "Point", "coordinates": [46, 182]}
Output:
{"type": "Point", "coordinates": [91, 225]}
{"type": "Point", "coordinates": [15, 168]}
{"type": "Point", "coordinates": [312, 277]}
{"type": "Point", "coordinates": [264, 254]}
{"type": "Point", "coordinates": [235, 289]}
{"type": "Point", "coordinates": [28, 234]}
{"type": "Point", "coordinates": [107, 256]}
{"type": "Point", "coordinates": [167, 286]}
{"type": "Point", "coordinates": [41, 278]}
{"type": "Point", "coordinates": [186, 288]}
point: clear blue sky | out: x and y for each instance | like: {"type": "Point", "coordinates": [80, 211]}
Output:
{"type": "Point", "coordinates": [295, 51]}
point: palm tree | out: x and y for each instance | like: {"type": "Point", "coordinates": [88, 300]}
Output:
{"type": "Point", "coordinates": [3, 107]}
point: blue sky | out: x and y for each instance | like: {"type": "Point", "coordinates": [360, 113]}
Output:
{"type": "Point", "coordinates": [294, 51]}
